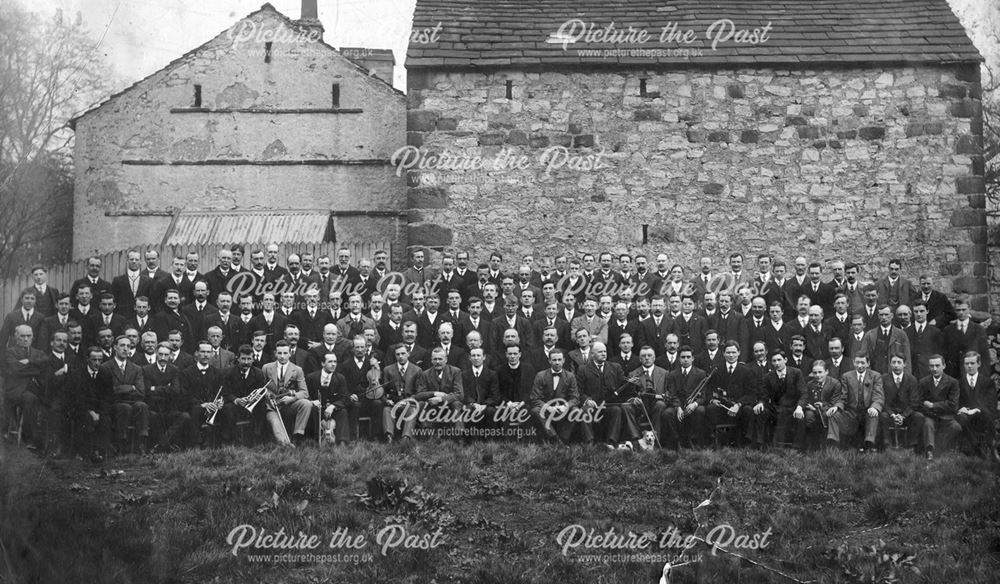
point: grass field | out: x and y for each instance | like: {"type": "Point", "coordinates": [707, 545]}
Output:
{"type": "Point", "coordinates": [497, 509]}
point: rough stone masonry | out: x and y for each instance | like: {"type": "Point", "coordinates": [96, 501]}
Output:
{"type": "Point", "coordinates": [863, 164]}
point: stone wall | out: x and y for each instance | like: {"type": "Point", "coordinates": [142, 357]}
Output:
{"type": "Point", "coordinates": [864, 164]}
{"type": "Point", "coordinates": [128, 151]}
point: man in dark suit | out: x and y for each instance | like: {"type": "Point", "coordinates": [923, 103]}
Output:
{"type": "Point", "coordinates": [684, 416]}
{"type": "Point", "coordinates": [453, 353]}
{"type": "Point", "coordinates": [311, 319]}
{"type": "Point", "coordinates": [939, 395]}
{"type": "Point", "coordinates": [238, 383]}
{"type": "Point", "coordinates": [817, 335]}
{"type": "Point", "coordinates": [46, 296]}
{"type": "Point", "coordinates": [837, 364]}
{"type": "Point", "coordinates": [129, 396]}
{"type": "Point", "coordinates": [689, 327]}
{"type": "Point", "coordinates": [476, 321]}
{"type": "Point", "coordinates": [23, 315]}
{"type": "Point", "coordinates": [130, 285]}
{"type": "Point", "coordinates": [963, 336]}
{"type": "Point", "coordinates": [105, 316]}
{"type": "Point", "coordinates": [626, 356]}
{"type": "Point", "coordinates": [141, 320]}
{"type": "Point", "coordinates": [925, 340]}
{"type": "Point", "coordinates": [776, 333]}
{"type": "Point", "coordinates": [400, 379]}
{"type": "Point", "coordinates": [797, 357]}
{"type": "Point", "coordinates": [712, 356]}
{"type": "Point", "coordinates": [440, 386]}
{"type": "Point", "coordinates": [512, 319]}
{"type": "Point", "coordinates": [218, 278]}
{"type": "Point", "coordinates": [840, 322]}
{"type": "Point", "coordinates": [22, 372]}
{"type": "Point", "coordinates": [481, 388]}
{"type": "Point", "coordinates": [602, 384]}
{"type": "Point", "coordinates": [515, 377]}
{"type": "Point", "coordinates": [870, 309]}
{"type": "Point", "coordinates": [822, 391]}
{"type": "Point", "coordinates": [901, 402]}
{"type": "Point", "coordinates": [98, 285]}
{"type": "Point", "coordinates": [759, 364]}
{"type": "Point", "coordinates": [783, 389]}
{"type": "Point", "coordinates": [619, 325]}
{"type": "Point", "coordinates": [940, 311]}
{"type": "Point", "coordinates": [171, 319]}
{"type": "Point", "coordinates": [893, 289]}
{"type": "Point", "coordinates": [199, 310]}
{"type": "Point", "coordinates": [328, 390]}
{"type": "Point", "coordinates": [90, 406]}
{"type": "Point", "coordinates": [730, 325]}
{"type": "Point", "coordinates": [168, 408]}
{"type": "Point", "coordinates": [654, 330]}
{"type": "Point", "coordinates": [883, 341]}
{"type": "Point", "coordinates": [58, 321]}
{"type": "Point", "coordinates": [733, 393]}
{"type": "Point", "coordinates": [977, 405]}
{"type": "Point", "coordinates": [390, 330]}
{"type": "Point", "coordinates": [234, 329]}
{"type": "Point", "coordinates": [429, 321]}
{"type": "Point", "coordinates": [861, 403]}
{"type": "Point", "coordinates": [551, 417]}
{"type": "Point", "coordinates": [332, 343]}
{"type": "Point", "coordinates": [419, 355]}
{"type": "Point", "coordinates": [191, 275]}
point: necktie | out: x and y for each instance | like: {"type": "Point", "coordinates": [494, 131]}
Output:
{"type": "Point", "coordinates": [281, 374]}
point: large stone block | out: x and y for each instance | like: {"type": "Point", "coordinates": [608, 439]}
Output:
{"type": "Point", "coordinates": [968, 217]}
{"type": "Point", "coordinates": [973, 253]}
{"type": "Point", "coordinates": [970, 285]}
{"type": "Point", "coordinates": [429, 235]}
{"type": "Point", "coordinates": [427, 198]}
{"type": "Point", "coordinates": [421, 120]}
{"type": "Point", "coordinates": [969, 144]}
{"type": "Point", "coordinates": [871, 133]}
{"type": "Point", "coordinates": [970, 185]}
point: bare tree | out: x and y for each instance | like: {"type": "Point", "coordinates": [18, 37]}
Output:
{"type": "Point", "coordinates": [50, 70]}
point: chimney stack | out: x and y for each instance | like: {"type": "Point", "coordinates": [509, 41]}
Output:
{"type": "Point", "coordinates": [309, 20]}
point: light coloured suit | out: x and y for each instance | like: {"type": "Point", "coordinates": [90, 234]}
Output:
{"type": "Point", "coordinates": [596, 326]}
{"type": "Point", "coordinates": [899, 344]}
{"type": "Point", "coordinates": [857, 397]}
{"type": "Point", "coordinates": [294, 385]}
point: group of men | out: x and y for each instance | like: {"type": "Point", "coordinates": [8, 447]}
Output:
{"type": "Point", "coordinates": [593, 350]}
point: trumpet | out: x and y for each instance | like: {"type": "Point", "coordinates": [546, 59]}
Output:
{"type": "Point", "coordinates": [254, 397]}
{"type": "Point", "coordinates": [218, 399]}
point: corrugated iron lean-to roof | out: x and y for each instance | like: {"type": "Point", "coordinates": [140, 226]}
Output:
{"type": "Point", "coordinates": [252, 226]}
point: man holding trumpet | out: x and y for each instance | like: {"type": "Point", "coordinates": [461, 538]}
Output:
{"type": "Point", "coordinates": [201, 385]}
{"type": "Point", "coordinates": [287, 395]}
{"type": "Point", "coordinates": [242, 388]}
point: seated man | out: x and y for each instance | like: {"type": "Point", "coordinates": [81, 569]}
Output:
{"type": "Point", "coordinates": [289, 394]}
{"type": "Point", "coordinates": [199, 391]}
{"type": "Point", "coordinates": [901, 402]}
{"type": "Point", "coordinates": [400, 378]}
{"type": "Point", "coordinates": [860, 404]}
{"type": "Point", "coordinates": [822, 391]}
{"type": "Point", "coordinates": [168, 411]}
{"type": "Point", "coordinates": [977, 405]}
{"type": "Point", "coordinates": [327, 388]}
{"type": "Point", "coordinates": [482, 389]}
{"type": "Point", "coordinates": [238, 386]}
{"type": "Point", "coordinates": [684, 416]}
{"type": "Point", "coordinates": [515, 379]}
{"type": "Point", "coordinates": [130, 396]}
{"type": "Point", "coordinates": [784, 386]}
{"type": "Point", "coordinates": [439, 388]}
{"type": "Point", "coordinates": [733, 395]}
{"type": "Point", "coordinates": [939, 395]}
{"type": "Point", "coordinates": [554, 395]}
{"type": "Point", "coordinates": [90, 405]}
{"type": "Point", "coordinates": [650, 385]}
{"type": "Point", "coordinates": [22, 373]}
{"type": "Point", "coordinates": [602, 385]}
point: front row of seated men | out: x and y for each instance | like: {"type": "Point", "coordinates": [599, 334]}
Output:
{"type": "Point", "coordinates": [107, 398]}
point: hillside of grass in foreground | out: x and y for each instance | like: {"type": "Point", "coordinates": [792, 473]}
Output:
{"type": "Point", "coordinates": [497, 510]}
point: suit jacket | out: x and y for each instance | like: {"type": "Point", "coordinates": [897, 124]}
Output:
{"type": "Point", "coordinates": [388, 336]}
{"type": "Point", "coordinates": [691, 332]}
{"type": "Point", "coordinates": [898, 343]}
{"type": "Point", "coordinates": [515, 384]}
{"type": "Point", "coordinates": [679, 387]}
{"type": "Point", "coordinates": [858, 396]}
{"type": "Point", "coordinates": [655, 385]}
{"type": "Point", "coordinates": [334, 392]}
{"type": "Point", "coordinates": [596, 326]}
{"type": "Point", "coordinates": [163, 391]}
{"type": "Point", "coordinates": [484, 391]}
{"type": "Point", "coordinates": [900, 399]}
{"type": "Point", "coordinates": [45, 302]}
{"type": "Point", "coordinates": [449, 383]}
{"type": "Point", "coordinates": [223, 359]}
{"type": "Point", "coordinates": [90, 394]}
{"type": "Point", "coordinates": [900, 293]}
{"type": "Point", "coordinates": [117, 323]}
{"type": "Point", "coordinates": [607, 386]}
{"type": "Point", "coordinates": [121, 287]}
{"type": "Point", "coordinates": [982, 396]}
{"type": "Point", "coordinates": [316, 355]}
{"type": "Point", "coordinates": [840, 330]}
{"type": "Point", "coordinates": [705, 363]}
{"type": "Point", "coordinates": [787, 393]}
{"type": "Point", "coordinates": [818, 343]}
{"type": "Point", "coordinates": [544, 389]}
{"type": "Point", "coordinates": [400, 386]}
{"type": "Point", "coordinates": [940, 311]}
{"type": "Point", "coordinates": [654, 336]}
{"type": "Point", "coordinates": [732, 327]}
{"type": "Point", "coordinates": [616, 330]}
{"type": "Point", "coordinates": [145, 327]}
{"type": "Point", "coordinates": [629, 363]}
{"type": "Point", "coordinates": [235, 385]}
{"type": "Point", "coordinates": [564, 339]}
{"type": "Point", "coordinates": [956, 344]}
{"type": "Point", "coordinates": [128, 385]}
{"type": "Point", "coordinates": [944, 398]}
{"type": "Point", "coordinates": [275, 330]}
{"type": "Point", "coordinates": [929, 342]}
{"type": "Point", "coordinates": [167, 320]}
{"type": "Point", "coordinates": [348, 329]}
{"type": "Point", "coordinates": [97, 289]}
{"type": "Point", "coordinates": [198, 318]}
{"type": "Point", "coordinates": [294, 383]}
{"type": "Point", "coordinates": [197, 387]}
{"type": "Point", "coordinates": [838, 371]}
{"type": "Point", "coordinates": [524, 327]}
{"type": "Point", "coordinates": [742, 387]}
{"type": "Point", "coordinates": [234, 331]}
{"type": "Point", "coordinates": [14, 319]}
{"type": "Point", "coordinates": [822, 297]}
{"type": "Point", "coordinates": [827, 393]}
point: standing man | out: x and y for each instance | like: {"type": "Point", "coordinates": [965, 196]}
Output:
{"type": "Point", "coordinates": [131, 285]}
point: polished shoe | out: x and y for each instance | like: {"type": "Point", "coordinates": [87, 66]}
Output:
{"type": "Point", "coordinates": [930, 455]}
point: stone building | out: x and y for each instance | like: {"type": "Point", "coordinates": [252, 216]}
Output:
{"type": "Point", "coordinates": [832, 130]}
{"type": "Point", "coordinates": [265, 116]}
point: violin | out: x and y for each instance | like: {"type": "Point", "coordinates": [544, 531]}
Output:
{"type": "Point", "coordinates": [376, 389]}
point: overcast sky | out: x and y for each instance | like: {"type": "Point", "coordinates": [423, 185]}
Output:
{"type": "Point", "coordinates": [141, 36]}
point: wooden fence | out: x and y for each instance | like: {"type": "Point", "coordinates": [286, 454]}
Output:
{"type": "Point", "coordinates": [113, 264]}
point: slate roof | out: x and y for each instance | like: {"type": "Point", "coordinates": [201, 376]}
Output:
{"type": "Point", "coordinates": [521, 34]}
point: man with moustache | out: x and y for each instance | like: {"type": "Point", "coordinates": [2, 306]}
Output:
{"type": "Point", "coordinates": [130, 285]}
